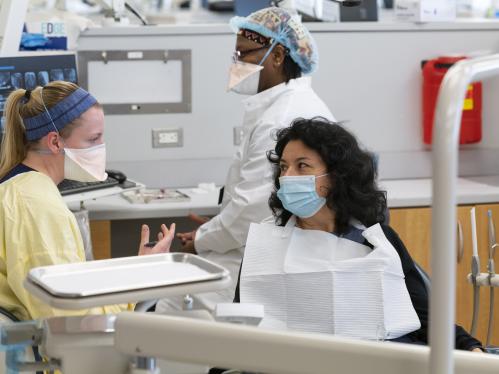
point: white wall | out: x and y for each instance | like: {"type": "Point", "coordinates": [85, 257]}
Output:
{"type": "Point", "coordinates": [208, 135]}
{"type": "Point", "coordinates": [373, 79]}
{"type": "Point", "coordinates": [369, 75]}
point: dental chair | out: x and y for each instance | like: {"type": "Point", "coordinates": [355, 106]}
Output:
{"type": "Point", "coordinates": [427, 283]}
{"type": "Point", "coordinates": [136, 343]}
{"type": "Point", "coordinates": [424, 276]}
{"type": "Point", "coordinates": [86, 344]}
{"type": "Point", "coordinates": [146, 306]}
{"type": "Point", "coordinates": [6, 316]}
{"type": "Point", "coordinates": [30, 353]}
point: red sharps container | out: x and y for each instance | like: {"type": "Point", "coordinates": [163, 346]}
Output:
{"type": "Point", "coordinates": [471, 123]}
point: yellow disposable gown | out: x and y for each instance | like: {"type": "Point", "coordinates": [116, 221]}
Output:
{"type": "Point", "coordinates": [36, 229]}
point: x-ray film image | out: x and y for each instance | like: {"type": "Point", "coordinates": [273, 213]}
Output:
{"type": "Point", "coordinates": [17, 80]}
{"type": "Point", "coordinates": [4, 81]}
{"type": "Point", "coordinates": [30, 80]}
{"type": "Point", "coordinates": [56, 75]}
{"type": "Point", "coordinates": [70, 75]}
{"type": "Point", "coordinates": [43, 78]}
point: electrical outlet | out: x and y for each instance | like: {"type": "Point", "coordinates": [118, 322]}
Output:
{"type": "Point", "coordinates": [167, 138]}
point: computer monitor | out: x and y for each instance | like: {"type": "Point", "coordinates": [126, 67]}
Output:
{"type": "Point", "coordinates": [31, 71]}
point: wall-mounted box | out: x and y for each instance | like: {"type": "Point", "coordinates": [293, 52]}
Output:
{"type": "Point", "coordinates": [425, 10]}
{"type": "Point", "coordinates": [138, 82]}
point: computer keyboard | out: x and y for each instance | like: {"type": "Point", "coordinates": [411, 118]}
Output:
{"type": "Point", "coordinates": [67, 187]}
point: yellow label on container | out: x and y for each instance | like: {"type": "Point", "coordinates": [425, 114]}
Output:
{"type": "Point", "coordinates": [468, 100]}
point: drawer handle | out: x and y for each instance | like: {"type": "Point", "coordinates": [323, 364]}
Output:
{"type": "Point", "coordinates": [460, 242]}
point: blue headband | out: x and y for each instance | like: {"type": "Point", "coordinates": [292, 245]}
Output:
{"type": "Point", "coordinates": [60, 115]}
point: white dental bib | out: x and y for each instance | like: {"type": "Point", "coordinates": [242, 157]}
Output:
{"type": "Point", "coordinates": [314, 281]}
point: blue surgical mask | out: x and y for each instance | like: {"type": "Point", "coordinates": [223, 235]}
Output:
{"type": "Point", "coordinates": [298, 195]}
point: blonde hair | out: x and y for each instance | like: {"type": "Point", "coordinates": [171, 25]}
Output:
{"type": "Point", "coordinates": [15, 146]}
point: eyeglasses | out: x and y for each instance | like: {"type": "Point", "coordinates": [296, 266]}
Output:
{"type": "Point", "coordinates": [238, 55]}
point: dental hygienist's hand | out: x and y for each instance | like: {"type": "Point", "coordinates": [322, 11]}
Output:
{"type": "Point", "coordinates": [165, 239]}
{"type": "Point", "coordinates": [200, 220]}
{"type": "Point", "coordinates": [188, 238]}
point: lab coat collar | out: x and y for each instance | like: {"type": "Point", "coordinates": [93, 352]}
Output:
{"type": "Point", "coordinates": [267, 97]}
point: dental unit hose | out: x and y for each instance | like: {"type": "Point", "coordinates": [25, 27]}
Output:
{"type": "Point", "coordinates": [491, 271]}
{"type": "Point", "coordinates": [475, 271]}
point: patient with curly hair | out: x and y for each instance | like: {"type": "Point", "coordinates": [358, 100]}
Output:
{"type": "Point", "coordinates": [326, 261]}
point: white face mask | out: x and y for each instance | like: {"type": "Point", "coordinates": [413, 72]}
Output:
{"type": "Point", "coordinates": [244, 78]}
{"type": "Point", "coordinates": [81, 164]}
{"type": "Point", "coordinates": [86, 164]}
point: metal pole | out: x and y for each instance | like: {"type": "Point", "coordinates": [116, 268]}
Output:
{"type": "Point", "coordinates": [445, 160]}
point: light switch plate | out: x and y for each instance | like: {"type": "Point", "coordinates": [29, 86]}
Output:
{"type": "Point", "coordinates": [167, 138]}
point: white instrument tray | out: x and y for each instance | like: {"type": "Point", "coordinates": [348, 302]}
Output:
{"type": "Point", "coordinates": [163, 195]}
{"type": "Point", "coordinates": [123, 280]}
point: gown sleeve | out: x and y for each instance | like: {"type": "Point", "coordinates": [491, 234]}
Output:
{"type": "Point", "coordinates": [248, 196]}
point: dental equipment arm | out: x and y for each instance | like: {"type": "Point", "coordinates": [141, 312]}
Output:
{"type": "Point", "coordinates": [117, 9]}
{"type": "Point", "coordinates": [85, 344]}
{"type": "Point", "coordinates": [136, 13]}
{"type": "Point", "coordinates": [475, 271]}
{"type": "Point", "coordinates": [445, 160]}
{"type": "Point", "coordinates": [272, 352]}
{"type": "Point", "coordinates": [491, 271]}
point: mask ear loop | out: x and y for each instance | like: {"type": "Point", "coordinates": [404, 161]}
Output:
{"type": "Point", "coordinates": [45, 107]}
{"type": "Point", "coordinates": [51, 120]}
{"type": "Point", "coordinates": [268, 53]}
{"type": "Point", "coordinates": [273, 46]}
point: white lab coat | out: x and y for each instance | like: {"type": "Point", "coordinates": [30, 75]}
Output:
{"type": "Point", "coordinates": [249, 181]}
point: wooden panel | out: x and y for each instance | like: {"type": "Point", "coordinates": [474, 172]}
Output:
{"type": "Point", "coordinates": [101, 239]}
{"type": "Point", "coordinates": [413, 225]}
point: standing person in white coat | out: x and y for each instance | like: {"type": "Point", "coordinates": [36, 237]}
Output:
{"type": "Point", "coordinates": [273, 50]}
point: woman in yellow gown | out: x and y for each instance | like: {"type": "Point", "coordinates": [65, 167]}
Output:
{"type": "Point", "coordinates": [51, 133]}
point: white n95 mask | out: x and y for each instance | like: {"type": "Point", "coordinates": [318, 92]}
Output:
{"type": "Point", "coordinates": [244, 78]}
{"type": "Point", "coordinates": [86, 164]}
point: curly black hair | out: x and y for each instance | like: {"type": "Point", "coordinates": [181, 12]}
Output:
{"type": "Point", "coordinates": [352, 172]}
